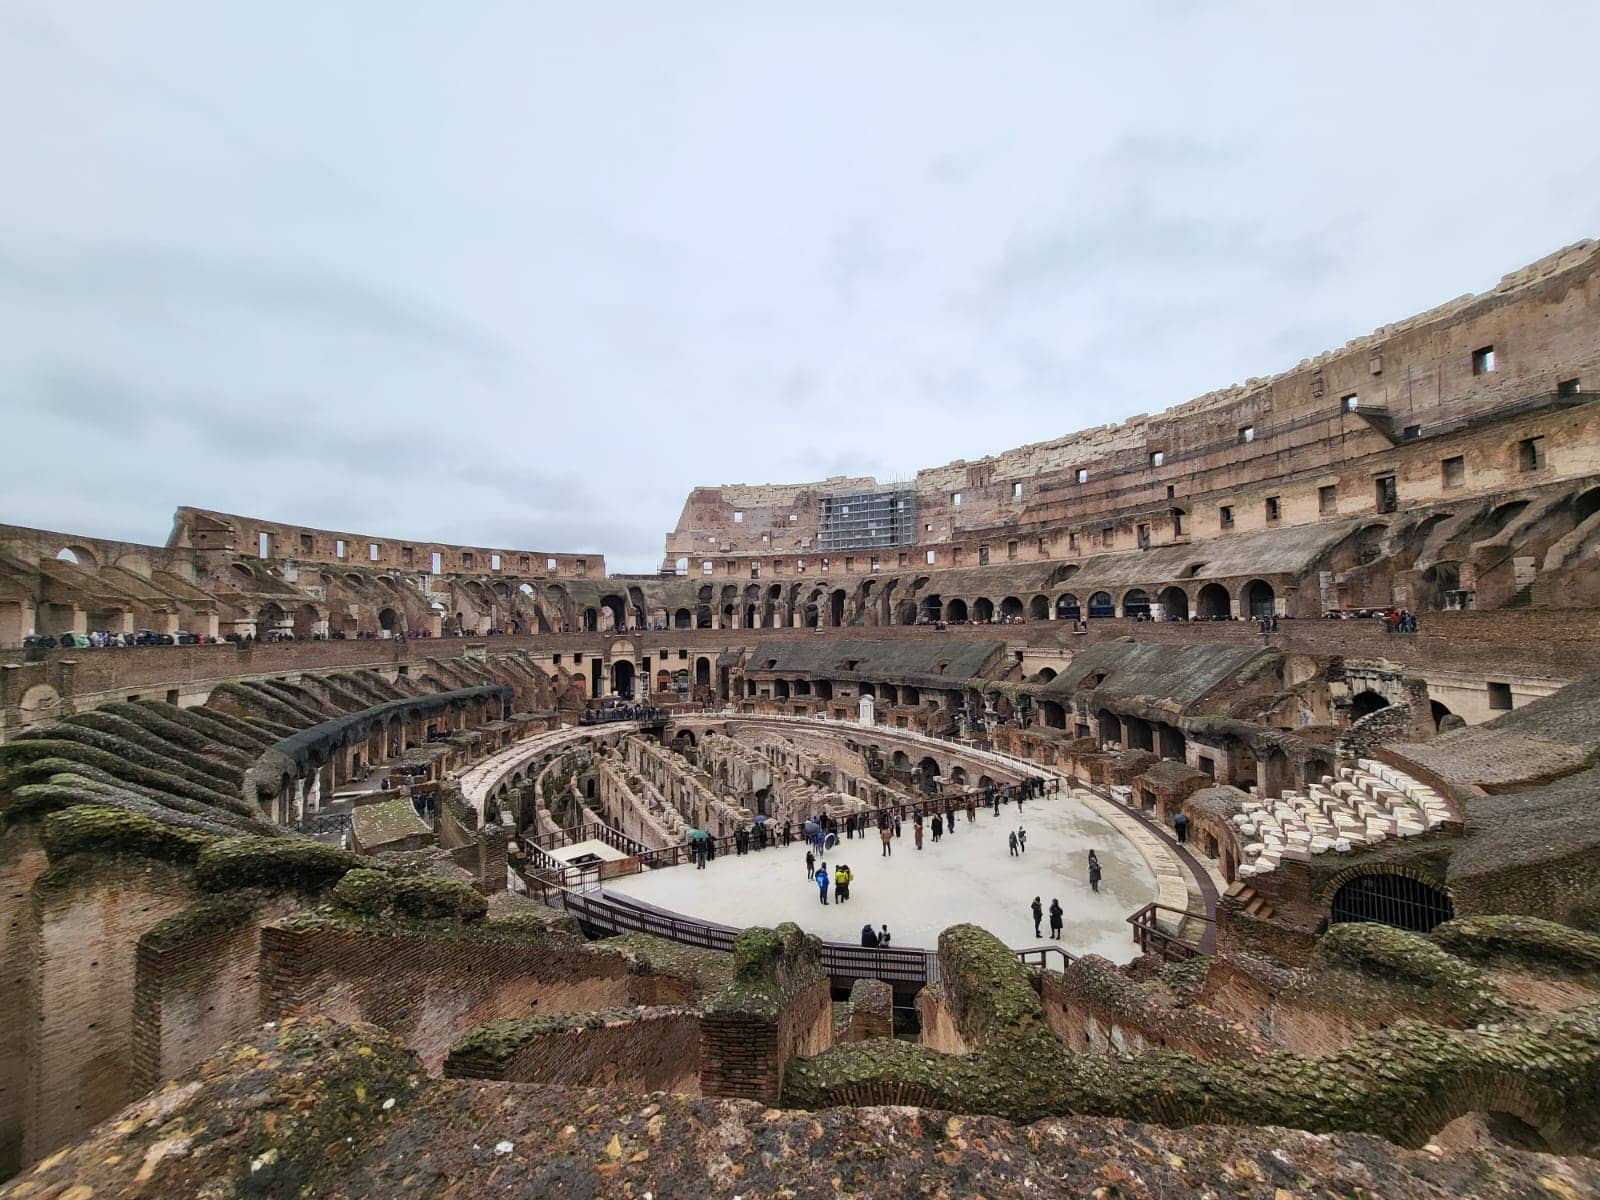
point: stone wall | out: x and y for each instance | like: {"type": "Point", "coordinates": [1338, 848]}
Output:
{"type": "Point", "coordinates": [22, 859]}
{"type": "Point", "coordinates": [636, 1050]}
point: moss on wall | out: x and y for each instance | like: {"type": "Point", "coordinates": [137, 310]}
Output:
{"type": "Point", "coordinates": [97, 829]}
{"type": "Point", "coordinates": [297, 864]}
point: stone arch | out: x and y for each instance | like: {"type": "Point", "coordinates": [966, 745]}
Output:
{"type": "Point", "coordinates": [1258, 599]}
{"type": "Point", "coordinates": [1365, 703]}
{"type": "Point", "coordinates": [76, 554]}
{"type": "Point", "coordinates": [1443, 718]}
{"type": "Point", "coordinates": [1174, 603]}
{"type": "Point", "coordinates": [622, 675]}
{"type": "Point", "coordinates": [1039, 608]}
{"type": "Point", "coordinates": [307, 621]}
{"type": "Point", "coordinates": [1585, 505]}
{"type": "Point", "coordinates": [956, 611]}
{"type": "Point", "coordinates": [1136, 603]}
{"type": "Point", "coordinates": [683, 619]}
{"type": "Point", "coordinates": [589, 620]}
{"type": "Point", "coordinates": [900, 760]}
{"type": "Point", "coordinates": [1011, 608]}
{"type": "Point", "coordinates": [906, 613]}
{"type": "Point", "coordinates": [1393, 894]}
{"type": "Point", "coordinates": [702, 671]}
{"type": "Point", "coordinates": [836, 600]}
{"type": "Point", "coordinates": [931, 608]}
{"type": "Point", "coordinates": [983, 610]}
{"type": "Point", "coordinates": [1067, 607]}
{"type": "Point", "coordinates": [618, 608]}
{"type": "Point", "coordinates": [1052, 714]}
{"type": "Point", "coordinates": [1213, 603]}
{"type": "Point", "coordinates": [1102, 605]}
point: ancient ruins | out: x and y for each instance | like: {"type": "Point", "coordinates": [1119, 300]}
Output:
{"type": "Point", "coordinates": [336, 863]}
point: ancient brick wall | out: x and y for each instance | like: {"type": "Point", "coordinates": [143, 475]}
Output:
{"type": "Point", "coordinates": [21, 861]}
{"type": "Point", "coordinates": [431, 989]}
{"type": "Point", "coordinates": [938, 1023]}
{"type": "Point", "coordinates": [871, 1010]}
{"type": "Point", "coordinates": [86, 923]}
{"type": "Point", "coordinates": [648, 1050]}
{"type": "Point", "coordinates": [194, 992]}
{"type": "Point", "coordinates": [1095, 1009]}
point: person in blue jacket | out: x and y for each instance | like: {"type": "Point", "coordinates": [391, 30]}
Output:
{"type": "Point", "coordinates": [822, 883]}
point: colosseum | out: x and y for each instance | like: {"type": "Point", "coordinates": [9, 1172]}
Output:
{"type": "Point", "coordinates": [1214, 794]}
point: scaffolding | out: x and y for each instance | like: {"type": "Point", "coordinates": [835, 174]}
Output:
{"type": "Point", "coordinates": [867, 520]}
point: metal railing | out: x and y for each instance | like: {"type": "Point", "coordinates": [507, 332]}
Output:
{"type": "Point", "coordinates": [1152, 939]}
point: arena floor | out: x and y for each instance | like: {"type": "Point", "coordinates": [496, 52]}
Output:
{"type": "Point", "coordinates": [969, 877]}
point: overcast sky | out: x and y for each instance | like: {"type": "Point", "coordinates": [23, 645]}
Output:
{"type": "Point", "coordinates": [523, 274]}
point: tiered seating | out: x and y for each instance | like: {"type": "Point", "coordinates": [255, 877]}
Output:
{"type": "Point", "coordinates": [1364, 805]}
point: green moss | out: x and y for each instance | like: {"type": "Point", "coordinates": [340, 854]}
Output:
{"type": "Point", "coordinates": [1397, 958]}
{"type": "Point", "coordinates": [1523, 941]}
{"type": "Point", "coordinates": [498, 1041]}
{"type": "Point", "coordinates": [710, 971]}
{"type": "Point", "coordinates": [296, 864]}
{"type": "Point", "coordinates": [768, 966]}
{"type": "Point", "coordinates": [100, 829]}
{"type": "Point", "coordinates": [211, 914]}
{"type": "Point", "coordinates": [365, 891]}
{"type": "Point", "coordinates": [430, 898]}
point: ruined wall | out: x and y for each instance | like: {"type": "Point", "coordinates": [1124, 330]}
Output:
{"type": "Point", "coordinates": [636, 1050]}
{"type": "Point", "coordinates": [88, 916]}
{"type": "Point", "coordinates": [22, 859]}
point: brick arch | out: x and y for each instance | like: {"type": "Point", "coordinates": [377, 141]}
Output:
{"type": "Point", "coordinates": [1331, 888]}
{"type": "Point", "coordinates": [1495, 1090]}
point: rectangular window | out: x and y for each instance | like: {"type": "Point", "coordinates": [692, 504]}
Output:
{"type": "Point", "coordinates": [738, 518]}
{"type": "Point", "coordinates": [905, 559]}
{"type": "Point", "coordinates": [1208, 766]}
{"type": "Point", "coordinates": [1274, 509]}
{"type": "Point", "coordinates": [755, 570]}
{"type": "Point", "coordinates": [307, 543]}
{"type": "Point", "coordinates": [469, 560]}
{"type": "Point", "coordinates": [1328, 499]}
{"type": "Point", "coordinates": [338, 548]}
{"type": "Point", "coordinates": [1500, 696]}
{"type": "Point", "coordinates": [438, 563]}
{"type": "Point", "coordinates": [800, 566]}
{"type": "Point", "coordinates": [263, 545]}
{"type": "Point", "coordinates": [1247, 434]}
{"type": "Point", "coordinates": [1530, 454]}
{"type": "Point", "coordinates": [955, 556]}
{"type": "Point", "coordinates": [1083, 474]}
{"type": "Point", "coordinates": [955, 499]}
{"type": "Point", "coordinates": [1410, 433]}
{"type": "Point", "coordinates": [731, 567]}
{"type": "Point", "coordinates": [874, 565]}
{"type": "Point", "coordinates": [712, 539]}
{"type": "Point", "coordinates": [683, 655]}
{"type": "Point", "coordinates": [525, 563]}
{"type": "Point", "coordinates": [1106, 534]}
{"type": "Point", "coordinates": [550, 565]}
{"type": "Point", "coordinates": [1225, 515]}
{"type": "Point", "coordinates": [766, 537]}
{"type": "Point", "coordinates": [1177, 522]}
{"type": "Point", "coordinates": [1072, 541]}
{"type": "Point", "coordinates": [555, 660]}
{"type": "Point", "coordinates": [1386, 494]}
{"type": "Point", "coordinates": [1044, 547]}
{"type": "Point", "coordinates": [931, 557]}
{"type": "Point", "coordinates": [1011, 551]}
{"type": "Point", "coordinates": [1568, 387]}
{"type": "Point", "coordinates": [581, 567]}
{"type": "Point", "coordinates": [1144, 537]}
{"type": "Point", "coordinates": [373, 550]}
{"type": "Point", "coordinates": [707, 566]}
{"type": "Point", "coordinates": [1453, 471]}
{"type": "Point", "coordinates": [793, 517]}
{"type": "Point", "coordinates": [1483, 360]}
{"type": "Point", "coordinates": [1016, 488]}
{"type": "Point", "coordinates": [1351, 401]}
{"type": "Point", "coordinates": [1157, 457]}
{"type": "Point", "coordinates": [494, 562]}
{"type": "Point", "coordinates": [983, 555]}
{"type": "Point", "coordinates": [406, 555]}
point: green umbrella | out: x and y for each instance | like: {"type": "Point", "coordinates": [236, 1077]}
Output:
{"type": "Point", "coordinates": [696, 835]}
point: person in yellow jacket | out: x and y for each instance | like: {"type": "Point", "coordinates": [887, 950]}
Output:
{"type": "Point", "coordinates": [841, 884]}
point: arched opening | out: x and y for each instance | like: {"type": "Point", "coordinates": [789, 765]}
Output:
{"type": "Point", "coordinates": [702, 616]}
{"type": "Point", "coordinates": [1503, 516]}
{"type": "Point", "coordinates": [683, 739]}
{"type": "Point", "coordinates": [1395, 900]}
{"type": "Point", "coordinates": [836, 608]}
{"type": "Point", "coordinates": [1109, 727]}
{"type": "Point", "coordinates": [702, 672]}
{"type": "Point", "coordinates": [1443, 718]}
{"type": "Point", "coordinates": [1259, 598]}
{"type": "Point", "coordinates": [933, 608]}
{"type": "Point", "coordinates": [618, 609]}
{"type": "Point", "coordinates": [811, 616]}
{"type": "Point", "coordinates": [1174, 604]}
{"type": "Point", "coordinates": [1136, 604]}
{"type": "Point", "coordinates": [67, 555]}
{"type": "Point", "coordinates": [958, 777]}
{"type": "Point", "coordinates": [1039, 608]}
{"type": "Point", "coordinates": [824, 689]}
{"type": "Point", "coordinates": [591, 620]}
{"type": "Point", "coordinates": [983, 610]}
{"type": "Point", "coordinates": [1052, 714]}
{"type": "Point", "coordinates": [663, 681]}
{"type": "Point", "coordinates": [752, 619]}
{"type": "Point", "coordinates": [1213, 603]}
{"type": "Point", "coordinates": [910, 696]}
{"type": "Point", "coordinates": [780, 689]}
{"type": "Point", "coordinates": [905, 613]}
{"type": "Point", "coordinates": [1010, 609]}
{"type": "Point", "coordinates": [929, 770]}
{"type": "Point", "coordinates": [866, 689]}
{"type": "Point", "coordinates": [890, 693]}
{"type": "Point", "coordinates": [1489, 1129]}
{"type": "Point", "coordinates": [1140, 734]}
{"type": "Point", "coordinates": [1366, 703]}
{"type": "Point", "coordinates": [956, 611]}
{"type": "Point", "coordinates": [900, 760]}
{"type": "Point", "coordinates": [388, 620]}
{"type": "Point", "coordinates": [1044, 674]}
{"type": "Point", "coordinates": [1102, 605]}
{"type": "Point", "coordinates": [1067, 607]}
{"type": "Point", "coordinates": [683, 619]}
{"type": "Point", "coordinates": [306, 622]}
{"type": "Point", "coordinates": [1586, 505]}
{"type": "Point", "coordinates": [622, 678]}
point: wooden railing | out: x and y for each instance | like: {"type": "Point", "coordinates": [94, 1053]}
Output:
{"type": "Point", "coordinates": [1041, 956]}
{"type": "Point", "coordinates": [1152, 939]}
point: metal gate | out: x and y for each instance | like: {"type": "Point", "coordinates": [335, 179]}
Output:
{"type": "Point", "coordinates": [1396, 900]}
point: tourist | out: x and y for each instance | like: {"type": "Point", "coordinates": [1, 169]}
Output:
{"type": "Point", "coordinates": [972, 808]}
{"type": "Point", "coordinates": [1094, 872]}
{"type": "Point", "coordinates": [1180, 826]}
{"type": "Point", "coordinates": [1055, 919]}
{"type": "Point", "coordinates": [811, 864]}
{"type": "Point", "coordinates": [1022, 840]}
{"type": "Point", "coordinates": [822, 883]}
{"type": "Point", "coordinates": [916, 829]}
{"type": "Point", "coordinates": [1013, 841]}
{"type": "Point", "coordinates": [1038, 916]}
{"type": "Point", "coordinates": [788, 831]}
{"type": "Point", "coordinates": [888, 845]}
{"type": "Point", "coordinates": [897, 824]}
{"type": "Point", "coordinates": [842, 876]}
{"type": "Point", "coordinates": [868, 938]}
{"type": "Point", "coordinates": [938, 827]}
{"type": "Point", "coordinates": [883, 936]}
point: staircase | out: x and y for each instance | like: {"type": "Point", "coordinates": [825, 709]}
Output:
{"type": "Point", "coordinates": [1243, 895]}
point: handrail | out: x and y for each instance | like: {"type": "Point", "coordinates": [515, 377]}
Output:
{"type": "Point", "coordinates": [1040, 956]}
{"type": "Point", "coordinates": [1151, 938]}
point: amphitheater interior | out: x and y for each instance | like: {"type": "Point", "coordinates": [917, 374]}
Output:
{"type": "Point", "coordinates": [318, 846]}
